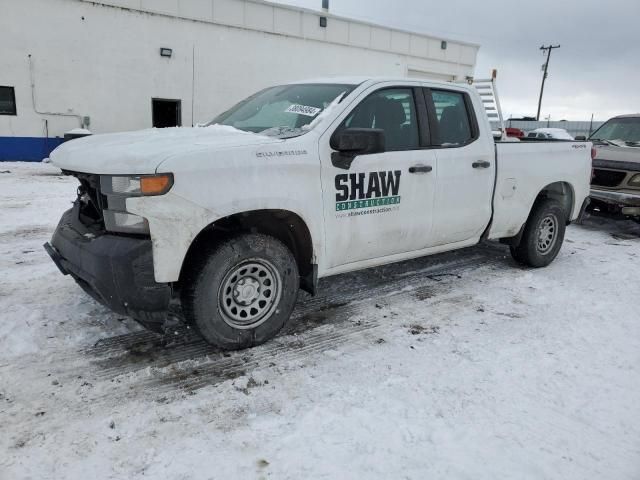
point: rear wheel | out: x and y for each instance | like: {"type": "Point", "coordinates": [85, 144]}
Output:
{"type": "Point", "coordinates": [242, 292]}
{"type": "Point", "coordinates": [543, 234]}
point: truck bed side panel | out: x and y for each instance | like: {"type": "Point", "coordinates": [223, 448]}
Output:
{"type": "Point", "coordinates": [525, 169]}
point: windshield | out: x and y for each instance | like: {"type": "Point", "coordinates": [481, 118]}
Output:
{"type": "Point", "coordinates": [619, 131]}
{"type": "Point", "coordinates": [285, 111]}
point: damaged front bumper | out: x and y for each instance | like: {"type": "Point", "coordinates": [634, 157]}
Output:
{"type": "Point", "coordinates": [616, 197]}
{"type": "Point", "coordinates": [627, 203]}
{"type": "Point", "coordinates": [116, 270]}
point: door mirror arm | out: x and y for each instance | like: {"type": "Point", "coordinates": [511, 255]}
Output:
{"type": "Point", "coordinates": [351, 142]}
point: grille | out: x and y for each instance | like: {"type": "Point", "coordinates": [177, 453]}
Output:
{"type": "Point", "coordinates": [607, 178]}
{"type": "Point", "coordinates": [90, 199]}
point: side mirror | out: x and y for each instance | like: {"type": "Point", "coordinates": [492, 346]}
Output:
{"type": "Point", "coordinates": [352, 142]}
{"type": "Point", "coordinates": [581, 138]}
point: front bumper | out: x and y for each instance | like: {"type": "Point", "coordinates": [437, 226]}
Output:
{"type": "Point", "coordinates": [616, 198]}
{"type": "Point", "coordinates": [115, 270]}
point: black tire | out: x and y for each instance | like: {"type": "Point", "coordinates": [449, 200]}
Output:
{"type": "Point", "coordinates": [251, 273]}
{"type": "Point", "coordinates": [543, 234]}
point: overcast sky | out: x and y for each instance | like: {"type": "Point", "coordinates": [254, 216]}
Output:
{"type": "Point", "coordinates": [596, 70]}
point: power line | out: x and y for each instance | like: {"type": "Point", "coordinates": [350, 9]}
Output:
{"type": "Point", "coordinates": [544, 77]}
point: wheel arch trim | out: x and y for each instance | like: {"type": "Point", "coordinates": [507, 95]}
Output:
{"type": "Point", "coordinates": [285, 225]}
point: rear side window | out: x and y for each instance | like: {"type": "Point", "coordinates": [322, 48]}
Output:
{"type": "Point", "coordinates": [7, 101]}
{"type": "Point", "coordinates": [454, 126]}
{"type": "Point", "coordinates": [392, 110]}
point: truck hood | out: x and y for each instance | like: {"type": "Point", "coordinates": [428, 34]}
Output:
{"type": "Point", "coordinates": [621, 158]}
{"type": "Point", "coordinates": [622, 154]}
{"type": "Point", "coordinates": [142, 151]}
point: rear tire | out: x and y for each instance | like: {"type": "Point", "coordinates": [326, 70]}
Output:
{"type": "Point", "coordinates": [543, 234]}
{"type": "Point", "coordinates": [242, 291]}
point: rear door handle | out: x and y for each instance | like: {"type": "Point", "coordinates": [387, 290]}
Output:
{"type": "Point", "coordinates": [420, 169]}
{"type": "Point", "coordinates": [481, 164]}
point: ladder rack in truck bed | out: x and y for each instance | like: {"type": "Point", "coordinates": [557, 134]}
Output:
{"type": "Point", "coordinates": [488, 91]}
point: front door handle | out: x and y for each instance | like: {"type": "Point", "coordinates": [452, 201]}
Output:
{"type": "Point", "coordinates": [481, 164]}
{"type": "Point", "coordinates": [420, 169]}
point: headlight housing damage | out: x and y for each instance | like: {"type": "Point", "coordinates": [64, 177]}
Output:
{"type": "Point", "coordinates": [117, 188]}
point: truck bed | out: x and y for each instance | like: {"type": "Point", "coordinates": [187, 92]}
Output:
{"type": "Point", "coordinates": [527, 167]}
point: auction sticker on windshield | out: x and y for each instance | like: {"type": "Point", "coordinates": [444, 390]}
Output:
{"type": "Point", "coordinates": [303, 110]}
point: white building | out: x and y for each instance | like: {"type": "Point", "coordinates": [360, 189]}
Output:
{"type": "Point", "coordinates": [116, 65]}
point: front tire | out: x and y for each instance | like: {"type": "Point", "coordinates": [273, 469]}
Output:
{"type": "Point", "coordinates": [543, 234]}
{"type": "Point", "coordinates": [242, 292]}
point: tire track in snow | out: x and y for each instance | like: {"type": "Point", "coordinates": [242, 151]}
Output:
{"type": "Point", "coordinates": [343, 289]}
{"type": "Point", "coordinates": [318, 324]}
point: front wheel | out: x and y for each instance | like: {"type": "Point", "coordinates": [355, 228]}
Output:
{"type": "Point", "coordinates": [242, 292]}
{"type": "Point", "coordinates": [543, 234]}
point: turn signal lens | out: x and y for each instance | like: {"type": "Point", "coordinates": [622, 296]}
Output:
{"type": "Point", "coordinates": [594, 153]}
{"type": "Point", "coordinates": [635, 181]}
{"type": "Point", "coordinates": [156, 184]}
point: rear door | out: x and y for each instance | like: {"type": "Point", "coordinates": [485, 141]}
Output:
{"type": "Point", "coordinates": [466, 166]}
{"type": "Point", "coordinates": [383, 203]}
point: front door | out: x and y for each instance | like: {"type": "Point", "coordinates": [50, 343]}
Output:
{"type": "Point", "coordinates": [382, 204]}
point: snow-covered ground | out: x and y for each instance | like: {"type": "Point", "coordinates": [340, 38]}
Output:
{"type": "Point", "coordinates": [459, 366]}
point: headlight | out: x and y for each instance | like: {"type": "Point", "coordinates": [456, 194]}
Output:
{"type": "Point", "coordinates": [634, 181]}
{"type": "Point", "coordinates": [137, 185]}
{"type": "Point", "coordinates": [123, 185]}
{"type": "Point", "coordinates": [117, 188]}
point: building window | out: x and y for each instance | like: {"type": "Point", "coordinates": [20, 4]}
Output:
{"type": "Point", "coordinates": [7, 101]}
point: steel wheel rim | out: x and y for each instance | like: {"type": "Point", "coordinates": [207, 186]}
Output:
{"type": "Point", "coordinates": [249, 293]}
{"type": "Point", "coordinates": [547, 233]}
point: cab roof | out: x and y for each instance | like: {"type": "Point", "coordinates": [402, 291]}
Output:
{"type": "Point", "coordinates": [360, 80]}
{"type": "Point", "coordinates": [630, 115]}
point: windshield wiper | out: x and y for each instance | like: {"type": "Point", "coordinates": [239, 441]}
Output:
{"type": "Point", "coordinates": [607, 142]}
{"type": "Point", "coordinates": [630, 143]}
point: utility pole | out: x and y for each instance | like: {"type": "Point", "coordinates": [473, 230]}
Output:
{"type": "Point", "coordinates": [544, 77]}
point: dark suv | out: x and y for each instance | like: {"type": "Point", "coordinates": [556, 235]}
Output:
{"type": "Point", "coordinates": [615, 185]}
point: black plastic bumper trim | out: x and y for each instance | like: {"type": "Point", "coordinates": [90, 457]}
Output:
{"type": "Point", "coordinates": [115, 270]}
{"type": "Point", "coordinates": [56, 257]}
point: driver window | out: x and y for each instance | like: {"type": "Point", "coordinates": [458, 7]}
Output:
{"type": "Point", "coordinates": [392, 110]}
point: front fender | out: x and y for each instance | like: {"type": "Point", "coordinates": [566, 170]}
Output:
{"type": "Point", "coordinates": [175, 222]}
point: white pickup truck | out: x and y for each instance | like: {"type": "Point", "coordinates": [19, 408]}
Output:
{"type": "Point", "coordinates": [223, 223]}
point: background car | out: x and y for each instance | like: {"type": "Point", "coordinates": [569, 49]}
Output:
{"type": "Point", "coordinates": [514, 132]}
{"type": "Point", "coordinates": [550, 133]}
{"type": "Point", "coordinates": [615, 184]}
